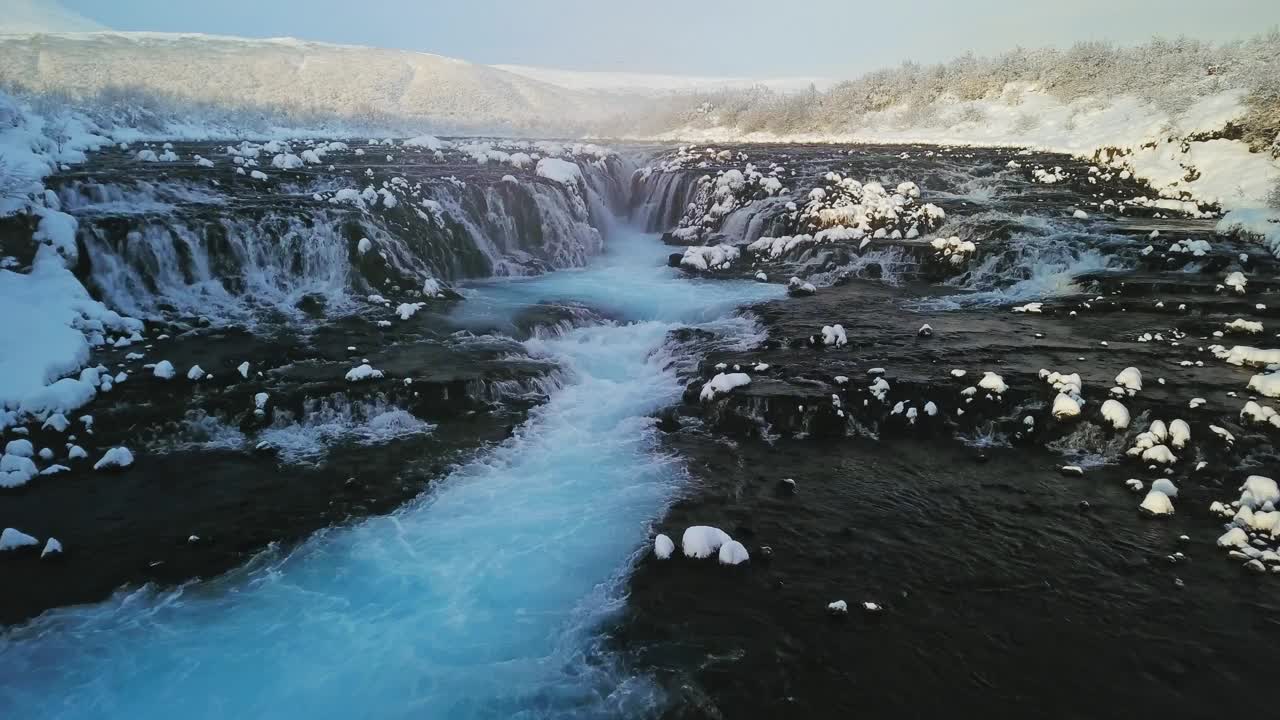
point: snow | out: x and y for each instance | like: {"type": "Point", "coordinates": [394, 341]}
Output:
{"type": "Point", "coordinates": [1165, 486]}
{"type": "Point", "coordinates": [713, 257]}
{"type": "Point", "coordinates": [994, 383]}
{"type": "Point", "coordinates": [833, 335]}
{"type": "Point", "coordinates": [12, 539]}
{"type": "Point", "coordinates": [1131, 379]}
{"type": "Point", "coordinates": [1267, 384]}
{"type": "Point", "coordinates": [658, 84]}
{"type": "Point", "coordinates": [116, 457]}
{"type": "Point", "coordinates": [722, 383]}
{"type": "Point", "coordinates": [663, 547]}
{"type": "Point", "coordinates": [51, 547]}
{"type": "Point", "coordinates": [1065, 406]}
{"type": "Point", "coordinates": [561, 171]}
{"type": "Point", "coordinates": [1116, 414]}
{"type": "Point", "coordinates": [430, 142]}
{"type": "Point", "coordinates": [1159, 454]}
{"type": "Point", "coordinates": [16, 471]}
{"type": "Point", "coordinates": [703, 541]}
{"type": "Point", "coordinates": [363, 372]}
{"type": "Point", "coordinates": [733, 553]}
{"type": "Point", "coordinates": [20, 447]}
{"type": "Point", "coordinates": [1261, 225]}
{"type": "Point", "coordinates": [1235, 537]}
{"type": "Point", "coordinates": [1258, 490]}
{"type": "Point", "coordinates": [1157, 503]}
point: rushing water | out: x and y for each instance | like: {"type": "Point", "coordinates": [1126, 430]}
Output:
{"type": "Point", "coordinates": [481, 599]}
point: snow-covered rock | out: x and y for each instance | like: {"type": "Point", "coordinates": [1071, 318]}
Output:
{"type": "Point", "coordinates": [663, 547]}
{"type": "Point", "coordinates": [116, 457]}
{"type": "Point", "coordinates": [364, 372]}
{"type": "Point", "coordinates": [164, 370]}
{"type": "Point", "coordinates": [703, 541]}
{"type": "Point", "coordinates": [12, 539]}
{"type": "Point", "coordinates": [721, 384]}
{"type": "Point", "coordinates": [733, 553]}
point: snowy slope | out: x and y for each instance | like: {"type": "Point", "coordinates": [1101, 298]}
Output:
{"type": "Point", "coordinates": [1155, 145]}
{"type": "Point", "coordinates": [654, 84]}
{"type": "Point", "coordinates": [36, 16]}
{"type": "Point", "coordinates": [294, 77]}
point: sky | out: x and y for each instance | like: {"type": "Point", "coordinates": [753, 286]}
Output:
{"type": "Point", "coordinates": [816, 38]}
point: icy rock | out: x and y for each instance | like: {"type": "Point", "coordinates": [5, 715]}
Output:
{"type": "Point", "coordinates": [925, 331]}
{"type": "Point", "coordinates": [838, 607]}
{"type": "Point", "coordinates": [1133, 484]}
{"type": "Point", "coordinates": [1235, 537]}
{"type": "Point", "coordinates": [1072, 470]}
{"type": "Point", "coordinates": [663, 547]}
{"type": "Point", "coordinates": [703, 541]}
{"type": "Point", "coordinates": [1166, 486]}
{"type": "Point", "coordinates": [195, 373]}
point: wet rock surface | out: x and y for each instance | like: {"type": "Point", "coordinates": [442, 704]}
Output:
{"type": "Point", "coordinates": [901, 441]}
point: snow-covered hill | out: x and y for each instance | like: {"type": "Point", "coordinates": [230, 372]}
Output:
{"type": "Point", "coordinates": [657, 84]}
{"type": "Point", "coordinates": [43, 16]}
{"type": "Point", "coordinates": [292, 80]}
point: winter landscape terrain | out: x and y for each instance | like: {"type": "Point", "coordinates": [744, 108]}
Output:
{"type": "Point", "coordinates": [340, 381]}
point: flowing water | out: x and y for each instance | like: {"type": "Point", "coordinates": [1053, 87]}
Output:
{"type": "Point", "coordinates": [482, 598]}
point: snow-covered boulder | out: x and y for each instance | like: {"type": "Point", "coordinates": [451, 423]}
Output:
{"type": "Point", "coordinates": [663, 547]}
{"type": "Point", "coordinates": [703, 541]}
{"type": "Point", "coordinates": [364, 372]}
{"type": "Point", "coordinates": [164, 370]}
{"type": "Point", "coordinates": [1156, 503]}
{"type": "Point", "coordinates": [733, 553]}
{"type": "Point", "coordinates": [116, 457]}
{"type": "Point", "coordinates": [12, 539]}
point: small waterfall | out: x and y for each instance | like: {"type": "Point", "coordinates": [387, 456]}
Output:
{"type": "Point", "coordinates": [186, 247]}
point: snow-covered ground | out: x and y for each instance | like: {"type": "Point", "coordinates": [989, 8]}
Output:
{"type": "Point", "coordinates": [292, 81]}
{"type": "Point", "coordinates": [1154, 145]}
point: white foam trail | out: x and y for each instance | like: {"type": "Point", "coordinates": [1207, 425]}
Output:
{"type": "Point", "coordinates": [482, 599]}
